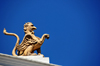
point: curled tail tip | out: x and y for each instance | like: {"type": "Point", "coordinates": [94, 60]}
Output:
{"type": "Point", "coordinates": [4, 31]}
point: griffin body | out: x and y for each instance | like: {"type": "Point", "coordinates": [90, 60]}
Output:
{"type": "Point", "coordinates": [30, 42]}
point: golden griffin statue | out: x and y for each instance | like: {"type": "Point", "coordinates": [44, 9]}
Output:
{"type": "Point", "coordinates": [30, 42]}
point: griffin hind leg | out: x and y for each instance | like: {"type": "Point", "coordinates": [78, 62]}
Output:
{"type": "Point", "coordinates": [20, 52]}
{"type": "Point", "coordinates": [39, 52]}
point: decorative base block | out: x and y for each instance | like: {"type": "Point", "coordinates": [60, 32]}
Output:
{"type": "Point", "coordinates": [38, 58]}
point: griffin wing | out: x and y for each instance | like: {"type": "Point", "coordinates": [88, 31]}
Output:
{"type": "Point", "coordinates": [24, 43]}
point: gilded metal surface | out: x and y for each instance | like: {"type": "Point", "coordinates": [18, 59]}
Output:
{"type": "Point", "coordinates": [30, 42]}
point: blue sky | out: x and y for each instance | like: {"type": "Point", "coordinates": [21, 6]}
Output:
{"type": "Point", "coordinates": [73, 25]}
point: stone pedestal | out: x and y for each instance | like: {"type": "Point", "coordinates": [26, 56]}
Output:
{"type": "Point", "coordinates": [38, 58]}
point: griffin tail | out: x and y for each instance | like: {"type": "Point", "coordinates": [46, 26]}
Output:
{"type": "Point", "coordinates": [17, 42]}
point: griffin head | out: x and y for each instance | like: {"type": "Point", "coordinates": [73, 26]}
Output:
{"type": "Point", "coordinates": [29, 27]}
